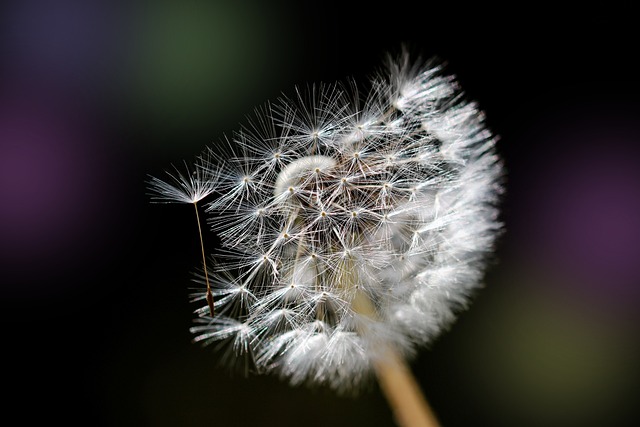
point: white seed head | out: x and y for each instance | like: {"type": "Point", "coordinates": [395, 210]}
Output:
{"type": "Point", "coordinates": [350, 224]}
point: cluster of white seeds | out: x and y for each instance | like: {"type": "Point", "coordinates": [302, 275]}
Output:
{"type": "Point", "coordinates": [349, 223]}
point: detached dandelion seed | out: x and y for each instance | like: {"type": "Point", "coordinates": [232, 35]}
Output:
{"type": "Point", "coordinates": [188, 187]}
{"type": "Point", "coordinates": [354, 229]}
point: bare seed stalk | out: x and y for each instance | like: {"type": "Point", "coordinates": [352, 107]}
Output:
{"type": "Point", "coordinates": [208, 295]}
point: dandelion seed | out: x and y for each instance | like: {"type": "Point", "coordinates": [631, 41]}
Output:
{"type": "Point", "coordinates": [356, 225]}
{"type": "Point", "coordinates": [188, 187]}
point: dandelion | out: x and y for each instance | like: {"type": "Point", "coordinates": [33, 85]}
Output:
{"type": "Point", "coordinates": [354, 229]}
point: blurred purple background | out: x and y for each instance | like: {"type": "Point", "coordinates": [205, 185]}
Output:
{"type": "Point", "coordinates": [96, 95]}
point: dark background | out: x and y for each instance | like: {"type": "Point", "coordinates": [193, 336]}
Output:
{"type": "Point", "coordinates": [94, 96]}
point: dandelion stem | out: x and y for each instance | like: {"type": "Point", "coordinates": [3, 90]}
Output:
{"type": "Point", "coordinates": [398, 384]}
{"type": "Point", "coordinates": [209, 295]}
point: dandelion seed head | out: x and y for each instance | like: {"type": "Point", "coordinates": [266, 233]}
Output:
{"type": "Point", "coordinates": [349, 220]}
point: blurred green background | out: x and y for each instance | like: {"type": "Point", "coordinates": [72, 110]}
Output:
{"type": "Point", "coordinates": [95, 95]}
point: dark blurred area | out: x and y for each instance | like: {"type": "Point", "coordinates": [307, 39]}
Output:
{"type": "Point", "coordinates": [96, 95]}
